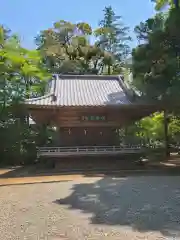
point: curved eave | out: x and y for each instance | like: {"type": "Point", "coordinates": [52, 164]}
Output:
{"type": "Point", "coordinates": [40, 101]}
{"type": "Point", "coordinates": [137, 107]}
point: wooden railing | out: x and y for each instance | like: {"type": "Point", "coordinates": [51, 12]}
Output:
{"type": "Point", "coordinates": [87, 150]}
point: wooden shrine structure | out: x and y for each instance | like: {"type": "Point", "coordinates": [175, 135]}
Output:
{"type": "Point", "coordinates": [87, 112]}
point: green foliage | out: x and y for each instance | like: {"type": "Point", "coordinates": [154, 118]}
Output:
{"type": "Point", "coordinates": [155, 62]}
{"type": "Point", "coordinates": [156, 70]}
{"type": "Point", "coordinates": [161, 4]}
{"type": "Point", "coordinates": [113, 39]}
{"type": "Point", "coordinates": [152, 127]}
{"type": "Point", "coordinates": [66, 47]}
{"type": "Point", "coordinates": [113, 34]}
{"type": "Point", "coordinates": [20, 72]}
{"type": "Point", "coordinates": [150, 130]}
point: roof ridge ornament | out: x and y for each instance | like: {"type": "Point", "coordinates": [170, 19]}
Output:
{"type": "Point", "coordinates": [54, 98]}
{"type": "Point", "coordinates": [126, 88]}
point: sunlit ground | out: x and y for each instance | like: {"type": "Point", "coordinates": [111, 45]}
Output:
{"type": "Point", "coordinates": [140, 207]}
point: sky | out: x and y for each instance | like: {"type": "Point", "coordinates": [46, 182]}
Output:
{"type": "Point", "coordinates": [28, 17]}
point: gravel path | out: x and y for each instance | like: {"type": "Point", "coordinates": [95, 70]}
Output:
{"type": "Point", "coordinates": [92, 208]}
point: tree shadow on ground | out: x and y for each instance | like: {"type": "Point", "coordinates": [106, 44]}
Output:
{"type": "Point", "coordinates": [142, 203]}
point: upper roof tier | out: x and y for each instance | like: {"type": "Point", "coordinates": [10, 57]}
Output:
{"type": "Point", "coordinates": [85, 90]}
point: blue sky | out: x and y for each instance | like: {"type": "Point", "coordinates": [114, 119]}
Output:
{"type": "Point", "coordinates": [28, 17]}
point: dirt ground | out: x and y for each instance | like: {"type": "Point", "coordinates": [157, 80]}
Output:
{"type": "Point", "coordinates": [113, 208]}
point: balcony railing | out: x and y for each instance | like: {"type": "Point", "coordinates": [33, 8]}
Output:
{"type": "Point", "coordinates": [87, 150]}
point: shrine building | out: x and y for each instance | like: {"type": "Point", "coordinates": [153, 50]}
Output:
{"type": "Point", "coordinates": [87, 110]}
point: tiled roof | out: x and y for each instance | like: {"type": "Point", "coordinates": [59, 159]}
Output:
{"type": "Point", "coordinates": [84, 90]}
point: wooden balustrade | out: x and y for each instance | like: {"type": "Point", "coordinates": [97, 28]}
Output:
{"type": "Point", "coordinates": [87, 150]}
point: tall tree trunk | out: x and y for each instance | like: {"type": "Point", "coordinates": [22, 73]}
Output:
{"type": "Point", "coordinates": [109, 70]}
{"type": "Point", "coordinates": [166, 135]}
{"type": "Point", "coordinates": [3, 105]}
{"type": "Point", "coordinates": [27, 86]}
{"type": "Point", "coordinates": [176, 2]}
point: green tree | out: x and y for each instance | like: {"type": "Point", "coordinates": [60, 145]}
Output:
{"type": "Point", "coordinates": [16, 65]}
{"type": "Point", "coordinates": [155, 62]}
{"type": "Point", "coordinates": [66, 48]}
{"type": "Point", "coordinates": [113, 39]}
{"type": "Point", "coordinates": [160, 4]}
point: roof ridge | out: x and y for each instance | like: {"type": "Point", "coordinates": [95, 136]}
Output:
{"type": "Point", "coordinates": [86, 77]}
